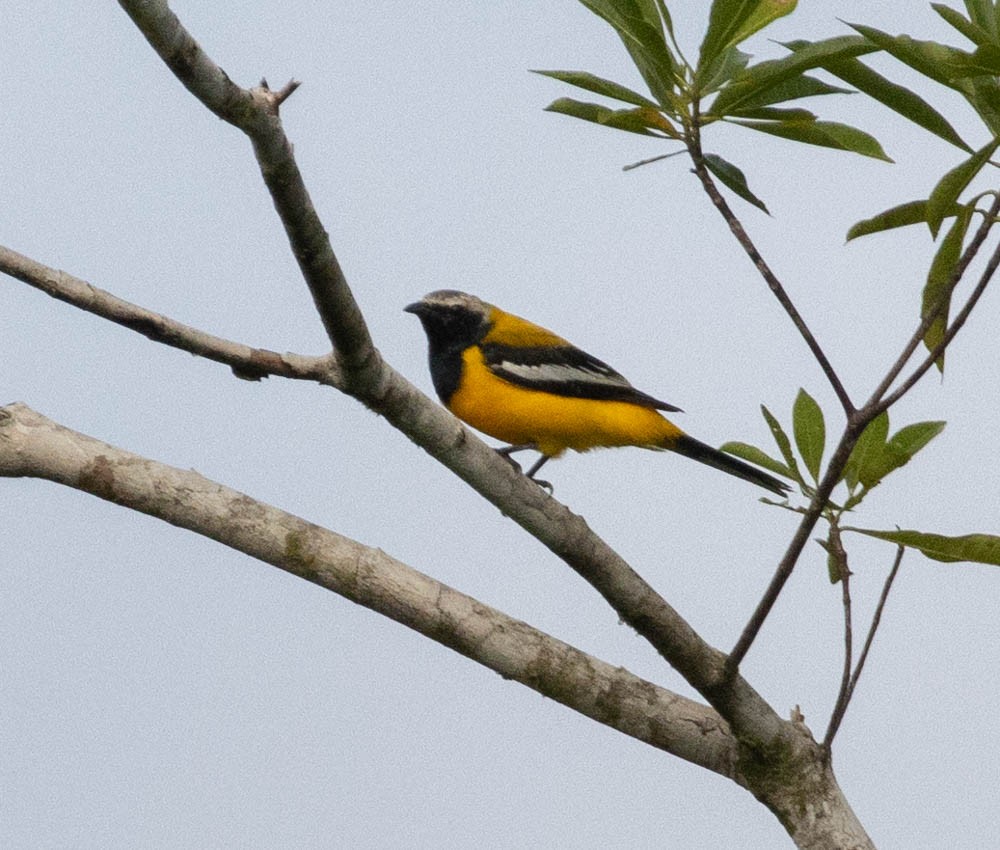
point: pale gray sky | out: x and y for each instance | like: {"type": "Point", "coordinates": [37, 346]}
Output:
{"type": "Point", "coordinates": [158, 690]}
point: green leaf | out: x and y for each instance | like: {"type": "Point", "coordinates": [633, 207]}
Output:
{"type": "Point", "coordinates": [874, 457]}
{"type": "Point", "coordinates": [949, 187]}
{"type": "Point", "coordinates": [598, 85]}
{"type": "Point", "coordinates": [974, 548]}
{"type": "Point", "coordinates": [975, 34]}
{"type": "Point", "coordinates": [733, 21]}
{"type": "Point", "coordinates": [983, 14]}
{"type": "Point", "coordinates": [756, 456]}
{"type": "Point", "coordinates": [791, 89]}
{"type": "Point", "coordinates": [900, 449]}
{"type": "Point", "coordinates": [833, 568]}
{"type": "Point", "coordinates": [633, 120]}
{"type": "Point", "coordinates": [668, 23]}
{"type": "Point", "coordinates": [898, 98]}
{"type": "Point", "coordinates": [910, 439]}
{"type": "Point", "coordinates": [940, 281]}
{"type": "Point", "coordinates": [984, 95]}
{"type": "Point", "coordinates": [912, 212]}
{"type": "Point", "coordinates": [784, 444]}
{"type": "Point", "coordinates": [868, 456]}
{"type": "Point", "coordinates": [759, 78]}
{"type": "Point", "coordinates": [985, 61]}
{"type": "Point", "coordinates": [733, 179]}
{"type": "Point", "coordinates": [643, 39]}
{"type": "Point", "coordinates": [810, 431]}
{"type": "Point", "coordinates": [774, 113]}
{"type": "Point", "coordinates": [727, 65]}
{"type": "Point", "coordinates": [828, 134]}
{"type": "Point", "coordinates": [937, 61]}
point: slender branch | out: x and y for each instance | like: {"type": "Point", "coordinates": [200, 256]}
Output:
{"type": "Point", "coordinates": [787, 564]}
{"type": "Point", "coordinates": [255, 112]}
{"type": "Point", "coordinates": [960, 319]}
{"type": "Point", "coordinates": [968, 255]}
{"type": "Point", "coordinates": [736, 226]}
{"type": "Point", "coordinates": [839, 556]}
{"type": "Point", "coordinates": [32, 445]}
{"type": "Point", "coordinates": [842, 704]}
{"type": "Point", "coordinates": [246, 362]}
{"type": "Point", "coordinates": [857, 420]}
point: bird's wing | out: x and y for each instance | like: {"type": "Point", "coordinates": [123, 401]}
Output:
{"type": "Point", "coordinates": [564, 370]}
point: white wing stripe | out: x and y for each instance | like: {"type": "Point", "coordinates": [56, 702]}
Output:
{"type": "Point", "coordinates": [560, 373]}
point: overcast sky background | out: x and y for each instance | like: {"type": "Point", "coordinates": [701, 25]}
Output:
{"type": "Point", "coordinates": [159, 690]}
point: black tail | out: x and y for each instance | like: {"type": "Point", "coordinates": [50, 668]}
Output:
{"type": "Point", "coordinates": [692, 448]}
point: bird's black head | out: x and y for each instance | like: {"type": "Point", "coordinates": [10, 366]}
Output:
{"type": "Point", "coordinates": [452, 321]}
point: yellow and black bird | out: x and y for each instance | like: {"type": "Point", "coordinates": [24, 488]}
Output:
{"type": "Point", "coordinates": [527, 386]}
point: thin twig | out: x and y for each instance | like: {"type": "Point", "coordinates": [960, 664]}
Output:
{"type": "Point", "coordinates": [841, 709]}
{"type": "Point", "coordinates": [968, 255]}
{"type": "Point", "coordinates": [775, 285]}
{"type": "Point", "coordinates": [839, 555]}
{"type": "Point", "coordinates": [857, 420]}
{"type": "Point", "coordinates": [787, 564]}
{"type": "Point", "coordinates": [960, 318]}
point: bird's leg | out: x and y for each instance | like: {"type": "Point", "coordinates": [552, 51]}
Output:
{"type": "Point", "coordinates": [545, 485]}
{"type": "Point", "coordinates": [507, 451]}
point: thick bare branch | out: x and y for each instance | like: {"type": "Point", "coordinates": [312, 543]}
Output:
{"type": "Point", "coordinates": [793, 780]}
{"type": "Point", "coordinates": [34, 446]}
{"type": "Point", "coordinates": [246, 362]}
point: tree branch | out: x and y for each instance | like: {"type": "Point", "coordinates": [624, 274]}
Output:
{"type": "Point", "coordinates": [968, 255]}
{"type": "Point", "coordinates": [845, 699]}
{"type": "Point", "coordinates": [255, 112]}
{"type": "Point", "coordinates": [246, 362]}
{"type": "Point", "coordinates": [770, 278]}
{"type": "Point", "coordinates": [956, 325]}
{"type": "Point", "coordinates": [839, 556]}
{"type": "Point", "coordinates": [857, 420]}
{"type": "Point", "coordinates": [566, 534]}
{"type": "Point", "coordinates": [793, 781]}
{"type": "Point", "coordinates": [33, 446]}
{"type": "Point", "coordinates": [788, 561]}
{"type": "Point", "coordinates": [370, 380]}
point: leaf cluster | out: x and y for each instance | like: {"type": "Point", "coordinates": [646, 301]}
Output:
{"type": "Point", "coordinates": [724, 84]}
{"type": "Point", "coordinates": [875, 456]}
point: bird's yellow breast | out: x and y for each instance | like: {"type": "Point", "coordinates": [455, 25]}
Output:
{"type": "Point", "coordinates": [551, 422]}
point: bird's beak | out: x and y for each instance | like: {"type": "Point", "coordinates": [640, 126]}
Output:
{"type": "Point", "coordinates": [417, 307]}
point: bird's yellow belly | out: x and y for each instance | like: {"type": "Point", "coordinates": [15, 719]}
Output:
{"type": "Point", "coordinates": [553, 423]}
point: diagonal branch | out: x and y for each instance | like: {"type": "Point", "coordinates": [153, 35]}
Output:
{"type": "Point", "coordinates": [435, 429]}
{"type": "Point", "coordinates": [32, 445]}
{"type": "Point", "coordinates": [372, 381]}
{"type": "Point", "coordinates": [846, 693]}
{"type": "Point", "coordinates": [960, 319]}
{"type": "Point", "coordinates": [255, 112]}
{"type": "Point", "coordinates": [968, 255]}
{"type": "Point", "coordinates": [770, 278]}
{"type": "Point", "coordinates": [246, 362]}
